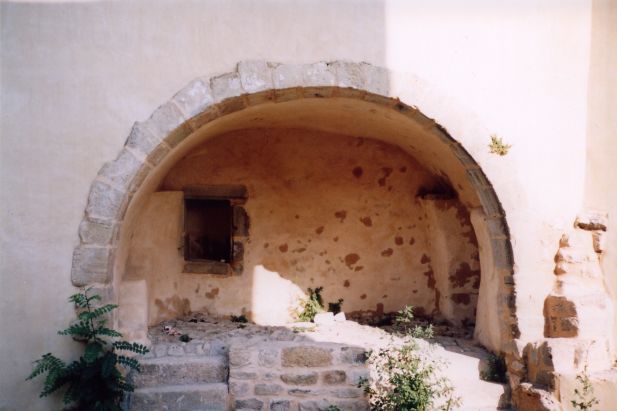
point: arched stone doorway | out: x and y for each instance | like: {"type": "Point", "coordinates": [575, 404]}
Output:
{"type": "Point", "coordinates": [352, 99]}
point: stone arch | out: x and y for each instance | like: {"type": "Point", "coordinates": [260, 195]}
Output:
{"type": "Point", "coordinates": [255, 83]}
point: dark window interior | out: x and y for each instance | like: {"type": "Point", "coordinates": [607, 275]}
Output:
{"type": "Point", "coordinates": [208, 229]}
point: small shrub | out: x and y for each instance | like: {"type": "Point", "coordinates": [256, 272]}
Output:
{"type": "Point", "coordinates": [239, 319]}
{"type": "Point", "coordinates": [498, 147]}
{"type": "Point", "coordinates": [584, 398]}
{"type": "Point", "coordinates": [185, 338]}
{"type": "Point", "coordinates": [93, 382]}
{"type": "Point", "coordinates": [333, 408]}
{"type": "Point", "coordinates": [407, 379]}
{"type": "Point", "coordinates": [313, 305]}
{"type": "Point", "coordinates": [335, 307]}
{"type": "Point", "coordinates": [495, 369]}
{"type": "Point", "coordinates": [405, 323]}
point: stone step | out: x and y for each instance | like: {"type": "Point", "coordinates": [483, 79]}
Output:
{"type": "Point", "coordinates": [194, 397]}
{"type": "Point", "coordinates": [199, 348]}
{"type": "Point", "coordinates": [181, 370]}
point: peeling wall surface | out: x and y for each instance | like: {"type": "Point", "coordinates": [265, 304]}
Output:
{"type": "Point", "coordinates": [325, 210]}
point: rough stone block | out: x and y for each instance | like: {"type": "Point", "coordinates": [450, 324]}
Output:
{"type": "Point", "coordinates": [194, 98]}
{"type": "Point", "coordinates": [175, 350]}
{"type": "Point", "coordinates": [355, 376]}
{"type": "Point", "coordinates": [96, 232]}
{"type": "Point", "coordinates": [280, 405]}
{"type": "Point", "coordinates": [139, 178]}
{"type": "Point", "coordinates": [300, 379]}
{"type": "Point", "coordinates": [377, 79]}
{"type": "Point", "coordinates": [305, 392]}
{"type": "Point", "coordinates": [249, 404]}
{"type": "Point", "coordinates": [90, 265]}
{"type": "Point", "coordinates": [158, 154]}
{"type": "Point", "coordinates": [349, 74]}
{"type": "Point", "coordinates": [352, 405]}
{"type": "Point", "coordinates": [179, 371]}
{"type": "Point", "coordinates": [306, 357]}
{"type": "Point", "coordinates": [314, 405]}
{"type": "Point", "coordinates": [477, 178]}
{"type": "Point", "coordinates": [268, 357]}
{"type": "Point", "coordinates": [178, 135]}
{"type": "Point", "coordinates": [142, 139]}
{"type": "Point", "coordinates": [255, 76]}
{"type": "Point", "coordinates": [268, 389]}
{"type": "Point", "coordinates": [288, 94]}
{"type": "Point", "coordinates": [104, 201]}
{"type": "Point", "coordinates": [288, 75]}
{"type": "Point", "coordinates": [160, 350]}
{"type": "Point", "coordinates": [122, 170]}
{"type": "Point", "coordinates": [225, 86]}
{"type": "Point", "coordinates": [242, 375]}
{"type": "Point", "coordinates": [334, 377]}
{"type": "Point", "coordinates": [209, 114]}
{"type": "Point", "coordinates": [353, 355]}
{"type": "Point", "coordinates": [211, 397]}
{"type": "Point", "coordinates": [232, 104]}
{"type": "Point", "coordinates": [239, 388]}
{"type": "Point", "coordinates": [318, 74]}
{"type": "Point", "coordinates": [239, 357]}
{"type": "Point", "coordinates": [164, 119]}
{"type": "Point", "coordinates": [349, 392]}
{"type": "Point", "coordinates": [502, 253]}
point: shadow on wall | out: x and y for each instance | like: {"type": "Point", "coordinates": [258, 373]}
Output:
{"type": "Point", "coordinates": [356, 216]}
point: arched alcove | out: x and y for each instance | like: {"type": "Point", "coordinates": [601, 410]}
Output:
{"type": "Point", "coordinates": [343, 99]}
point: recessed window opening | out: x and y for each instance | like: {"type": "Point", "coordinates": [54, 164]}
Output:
{"type": "Point", "coordinates": [208, 230]}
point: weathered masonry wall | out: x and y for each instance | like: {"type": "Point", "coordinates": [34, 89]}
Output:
{"type": "Point", "coordinates": [344, 213]}
{"type": "Point", "coordinates": [285, 375]}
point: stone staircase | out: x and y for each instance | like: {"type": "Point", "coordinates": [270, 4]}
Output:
{"type": "Point", "coordinates": [182, 377]}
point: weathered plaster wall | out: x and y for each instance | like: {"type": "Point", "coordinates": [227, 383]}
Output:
{"type": "Point", "coordinates": [601, 172]}
{"type": "Point", "coordinates": [326, 211]}
{"type": "Point", "coordinates": [75, 76]}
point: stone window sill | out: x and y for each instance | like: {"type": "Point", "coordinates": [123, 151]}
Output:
{"type": "Point", "coordinates": [207, 267]}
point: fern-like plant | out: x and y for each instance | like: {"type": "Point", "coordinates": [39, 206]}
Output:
{"type": "Point", "coordinates": [94, 381]}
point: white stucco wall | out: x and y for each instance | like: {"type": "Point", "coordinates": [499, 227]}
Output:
{"type": "Point", "coordinates": [76, 75]}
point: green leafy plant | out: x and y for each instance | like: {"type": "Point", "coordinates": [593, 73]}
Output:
{"type": "Point", "coordinates": [239, 319]}
{"type": "Point", "coordinates": [94, 381]}
{"type": "Point", "coordinates": [497, 146]}
{"type": "Point", "coordinates": [406, 324]}
{"type": "Point", "coordinates": [407, 379]}
{"type": "Point", "coordinates": [495, 369]}
{"type": "Point", "coordinates": [584, 398]}
{"type": "Point", "coordinates": [311, 306]}
{"type": "Point", "coordinates": [185, 338]}
{"type": "Point", "coordinates": [333, 408]}
{"type": "Point", "coordinates": [335, 307]}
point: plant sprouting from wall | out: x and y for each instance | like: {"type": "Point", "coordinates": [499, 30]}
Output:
{"type": "Point", "coordinates": [94, 381]}
{"type": "Point", "coordinates": [497, 146]}
{"type": "Point", "coordinates": [584, 398]}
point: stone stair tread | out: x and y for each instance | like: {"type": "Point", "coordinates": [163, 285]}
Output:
{"type": "Point", "coordinates": [215, 359]}
{"type": "Point", "coordinates": [184, 388]}
{"type": "Point", "coordinates": [190, 397]}
{"type": "Point", "coordinates": [156, 372]}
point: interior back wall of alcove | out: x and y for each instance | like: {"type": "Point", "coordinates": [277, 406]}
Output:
{"type": "Point", "coordinates": [325, 210]}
